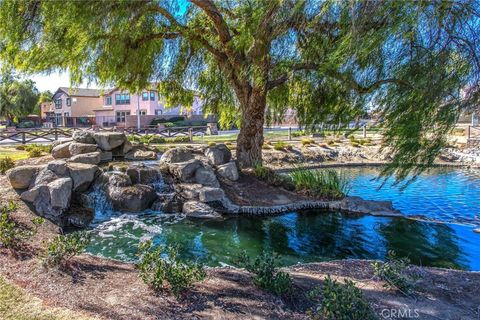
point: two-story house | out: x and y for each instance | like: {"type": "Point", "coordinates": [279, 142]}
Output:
{"type": "Point", "coordinates": [71, 104]}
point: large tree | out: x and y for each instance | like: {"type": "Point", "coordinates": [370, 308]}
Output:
{"type": "Point", "coordinates": [18, 98]}
{"type": "Point", "coordinates": [330, 60]}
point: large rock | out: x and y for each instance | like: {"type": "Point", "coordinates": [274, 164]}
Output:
{"type": "Point", "coordinates": [218, 154]}
{"type": "Point", "coordinates": [89, 158]}
{"type": "Point", "coordinates": [108, 141]}
{"type": "Point", "coordinates": [79, 217]}
{"type": "Point", "coordinates": [133, 199]}
{"type": "Point", "coordinates": [209, 194]}
{"type": "Point", "coordinates": [228, 171]}
{"type": "Point", "coordinates": [106, 156]}
{"type": "Point", "coordinates": [82, 175]}
{"type": "Point", "coordinates": [44, 177]}
{"type": "Point", "coordinates": [77, 148]}
{"type": "Point", "coordinates": [61, 151]}
{"type": "Point", "coordinates": [127, 146]}
{"type": "Point", "coordinates": [174, 156]}
{"type": "Point", "coordinates": [206, 176]}
{"type": "Point", "coordinates": [60, 193]}
{"type": "Point", "coordinates": [84, 136]}
{"type": "Point", "coordinates": [168, 204]}
{"type": "Point", "coordinates": [59, 167]}
{"type": "Point", "coordinates": [200, 210]}
{"type": "Point", "coordinates": [141, 155]}
{"type": "Point", "coordinates": [22, 176]}
{"type": "Point", "coordinates": [185, 171]}
{"type": "Point", "coordinates": [143, 174]}
{"type": "Point", "coordinates": [376, 208]}
{"type": "Point", "coordinates": [188, 190]}
{"type": "Point", "coordinates": [118, 179]}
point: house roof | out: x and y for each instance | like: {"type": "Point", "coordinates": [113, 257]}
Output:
{"type": "Point", "coordinates": [80, 92]}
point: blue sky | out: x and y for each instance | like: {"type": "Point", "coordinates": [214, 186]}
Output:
{"type": "Point", "coordinates": [54, 80]}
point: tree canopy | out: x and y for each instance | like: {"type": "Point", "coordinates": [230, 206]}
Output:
{"type": "Point", "coordinates": [329, 60]}
{"type": "Point", "coordinates": [17, 98]}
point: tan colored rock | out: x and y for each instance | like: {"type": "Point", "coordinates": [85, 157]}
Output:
{"type": "Point", "coordinates": [22, 176]}
{"type": "Point", "coordinates": [89, 158]}
{"type": "Point", "coordinates": [61, 151]}
{"type": "Point", "coordinates": [82, 175]}
{"type": "Point", "coordinates": [77, 148]}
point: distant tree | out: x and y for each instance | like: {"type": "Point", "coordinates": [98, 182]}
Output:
{"type": "Point", "coordinates": [45, 96]}
{"type": "Point", "coordinates": [18, 98]}
{"type": "Point", "coordinates": [330, 60]}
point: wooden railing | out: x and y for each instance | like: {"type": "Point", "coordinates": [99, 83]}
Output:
{"type": "Point", "coordinates": [473, 133]}
{"type": "Point", "coordinates": [30, 135]}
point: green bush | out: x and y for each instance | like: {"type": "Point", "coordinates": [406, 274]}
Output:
{"type": "Point", "coordinates": [266, 274]}
{"type": "Point", "coordinates": [64, 247]}
{"type": "Point", "coordinates": [5, 164]}
{"type": "Point", "coordinates": [158, 271]}
{"type": "Point", "coordinates": [297, 134]}
{"type": "Point", "coordinates": [272, 178]}
{"type": "Point", "coordinates": [339, 302]}
{"type": "Point", "coordinates": [156, 121]}
{"type": "Point", "coordinates": [394, 273]}
{"type": "Point", "coordinates": [20, 147]}
{"type": "Point", "coordinates": [36, 150]}
{"type": "Point", "coordinates": [330, 142]}
{"type": "Point", "coordinates": [11, 234]}
{"type": "Point", "coordinates": [320, 183]}
{"type": "Point", "coordinates": [307, 141]}
{"type": "Point", "coordinates": [282, 146]}
{"type": "Point", "coordinates": [212, 144]}
{"type": "Point", "coordinates": [183, 139]}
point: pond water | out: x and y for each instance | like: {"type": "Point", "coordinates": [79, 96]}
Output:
{"type": "Point", "coordinates": [449, 195]}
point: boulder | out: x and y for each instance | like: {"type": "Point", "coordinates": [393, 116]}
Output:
{"type": "Point", "coordinates": [106, 156]}
{"type": "Point", "coordinates": [82, 175]}
{"type": "Point", "coordinates": [79, 217]}
{"type": "Point", "coordinates": [118, 179]}
{"type": "Point", "coordinates": [44, 176]}
{"type": "Point", "coordinates": [60, 193]}
{"type": "Point", "coordinates": [61, 151]}
{"type": "Point", "coordinates": [228, 171]}
{"type": "Point", "coordinates": [375, 208]}
{"type": "Point", "coordinates": [168, 204]}
{"type": "Point", "coordinates": [199, 210]}
{"type": "Point", "coordinates": [89, 158]}
{"type": "Point", "coordinates": [59, 167]}
{"type": "Point", "coordinates": [188, 190]}
{"type": "Point", "coordinates": [206, 176]}
{"type": "Point", "coordinates": [77, 148]}
{"type": "Point", "coordinates": [143, 174]}
{"type": "Point", "coordinates": [109, 140]}
{"type": "Point", "coordinates": [127, 146]}
{"type": "Point", "coordinates": [31, 194]}
{"type": "Point", "coordinates": [174, 156]}
{"type": "Point", "coordinates": [59, 142]}
{"type": "Point", "coordinates": [22, 176]}
{"type": "Point", "coordinates": [185, 171]}
{"type": "Point", "coordinates": [133, 199]}
{"type": "Point", "coordinates": [209, 194]}
{"type": "Point", "coordinates": [218, 154]}
{"type": "Point", "coordinates": [84, 136]}
{"type": "Point", "coordinates": [141, 155]}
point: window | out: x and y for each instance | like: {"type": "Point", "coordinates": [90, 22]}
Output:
{"type": "Point", "coordinates": [58, 104]}
{"type": "Point", "coordinates": [108, 100]}
{"type": "Point", "coordinates": [143, 112]}
{"type": "Point", "coordinates": [158, 112]}
{"type": "Point", "coordinates": [69, 102]}
{"type": "Point", "coordinates": [122, 98]}
{"type": "Point", "coordinates": [121, 115]}
{"type": "Point", "coordinates": [144, 96]}
{"type": "Point", "coordinates": [152, 95]}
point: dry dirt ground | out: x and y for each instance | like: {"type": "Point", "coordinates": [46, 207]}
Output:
{"type": "Point", "coordinates": [108, 289]}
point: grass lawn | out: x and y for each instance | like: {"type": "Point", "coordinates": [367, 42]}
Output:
{"type": "Point", "coordinates": [16, 304]}
{"type": "Point", "coordinates": [13, 153]}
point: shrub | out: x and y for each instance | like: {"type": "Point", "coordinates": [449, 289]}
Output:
{"type": "Point", "coordinates": [157, 271]}
{"type": "Point", "coordinates": [20, 147]}
{"type": "Point", "coordinates": [5, 164]}
{"type": "Point", "coordinates": [212, 144]}
{"type": "Point", "coordinates": [307, 141]}
{"type": "Point", "coordinates": [394, 273]}
{"type": "Point", "coordinates": [156, 121]}
{"type": "Point", "coordinates": [269, 176]}
{"type": "Point", "coordinates": [297, 134]}
{"type": "Point", "coordinates": [183, 139]}
{"type": "Point", "coordinates": [64, 247]}
{"type": "Point", "coordinates": [323, 183]}
{"type": "Point", "coordinates": [169, 124]}
{"type": "Point", "coordinates": [36, 150]}
{"type": "Point", "coordinates": [282, 146]}
{"type": "Point", "coordinates": [330, 142]}
{"type": "Point", "coordinates": [339, 302]}
{"type": "Point", "coordinates": [266, 274]}
{"type": "Point", "coordinates": [12, 235]}
{"type": "Point", "coordinates": [266, 147]}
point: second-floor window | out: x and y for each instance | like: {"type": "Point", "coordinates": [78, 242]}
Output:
{"type": "Point", "coordinates": [122, 98]}
{"type": "Point", "coordinates": [108, 100]}
{"type": "Point", "coordinates": [145, 96]}
{"type": "Point", "coordinates": [58, 104]}
{"type": "Point", "coordinates": [69, 102]}
{"type": "Point", "coordinates": [152, 95]}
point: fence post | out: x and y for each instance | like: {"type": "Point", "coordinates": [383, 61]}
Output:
{"type": "Point", "coordinates": [289, 133]}
{"type": "Point", "coordinates": [468, 133]}
{"type": "Point", "coordinates": [364, 131]}
{"type": "Point", "coordinates": [23, 137]}
{"type": "Point", "coordinates": [55, 133]}
{"type": "Point", "coordinates": [190, 134]}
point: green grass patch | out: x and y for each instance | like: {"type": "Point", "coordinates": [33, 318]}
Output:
{"type": "Point", "coordinates": [320, 183]}
{"type": "Point", "coordinates": [13, 153]}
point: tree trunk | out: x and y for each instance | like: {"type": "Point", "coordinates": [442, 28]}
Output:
{"type": "Point", "coordinates": [250, 138]}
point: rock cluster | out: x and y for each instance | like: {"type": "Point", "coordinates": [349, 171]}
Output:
{"type": "Point", "coordinates": [196, 173]}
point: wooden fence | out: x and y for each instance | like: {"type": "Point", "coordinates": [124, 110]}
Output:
{"type": "Point", "coordinates": [25, 136]}
{"type": "Point", "coordinates": [473, 133]}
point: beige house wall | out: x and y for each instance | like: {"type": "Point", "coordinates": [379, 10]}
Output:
{"type": "Point", "coordinates": [84, 106]}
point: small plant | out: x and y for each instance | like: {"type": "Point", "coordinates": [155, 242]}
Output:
{"type": "Point", "coordinates": [36, 150]}
{"type": "Point", "coordinates": [212, 144]}
{"type": "Point", "coordinates": [282, 146]}
{"type": "Point", "coordinates": [266, 274]}
{"type": "Point", "coordinates": [330, 142]}
{"type": "Point", "coordinates": [266, 146]}
{"type": "Point", "coordinates": [158, 271]}
{"type": "Point", "coordinates": [297, 134]}
{"type": "Point", "coordinates": [320, 183]}
{"type": "Point", "coordinates": [64, 247]}
{"type": "Point", "coordinates": [269, 176]}
{"type": "Point", "coordinates": [20, 148]}
{"type": "Point", "coordinates": [307, 141]}
{"type": "Point", "coordinates": [178, 140]}
{"type": "Point", "coordinates": [394, 273]}
{"type": "Point", "coordinates": [12, 235]}
{"type": "Point", "coordinates": [339, 302]}
{"type": "Point", "coordinates": [5, 164]}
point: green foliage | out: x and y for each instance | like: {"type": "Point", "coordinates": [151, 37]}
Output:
{"type": "Point", "coordinates": [212, 144]}
{"type": "Point", "coordinates": [268, 175]}
{"type": "Point", "coordinates": [156, 121]}
{"type": "Point", "coordinates": [265, 273]}
{"type": "Point", "coordinates": [5, 164]}
{"type": "Point", "coordinates": [307, 141]}
{"type": "Point", "coordinates": [11, 234]}
{"type": "Point", "coordinates": [64, 247]}
{"type": "Point", "coordinates": [158, 271]}
{"type": "Point", "coordinates": [147, 139]}
{"type": "Point", "coordinates": [297, 134]}
{"type": "Point", "coordinates": [394, 273]}
{"type": "Point", "coordinates": [330, 142]}
{"type": "Point", "coordinates": [339, 302]}
{"type": "Point", "coordinates": [282, 146]}
{"type": "Point", "coordinates": [320, 183]}
{"type": "Point", "coordinates": [36, 150]}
